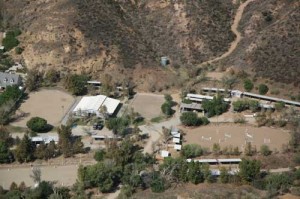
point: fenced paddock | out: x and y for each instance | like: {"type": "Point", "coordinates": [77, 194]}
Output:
{"type": "Point", "coordinates": [147, 104]}
{"type": "Point", "coordinates": [50, 104]}
{"type": "Point", "coordinates": [236, 135]}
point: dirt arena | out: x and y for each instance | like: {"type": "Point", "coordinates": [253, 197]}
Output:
{"type": "Point", "coordinates": [148, 104]}
{"type": "Point", "coordinates": [236, 135]}
{"type": "Point", "coordinates": [51, 105]}
{"type": "Point", "coordinates": [64, 175]}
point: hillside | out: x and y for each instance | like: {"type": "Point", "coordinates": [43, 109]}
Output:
{"type": "Point", "coordinates": [270, 45]}
{"type": "Point", "coordinates": [116, 35]}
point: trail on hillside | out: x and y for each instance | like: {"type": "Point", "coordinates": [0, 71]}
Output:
{"type": "Point", "coordinates": [234, 29]}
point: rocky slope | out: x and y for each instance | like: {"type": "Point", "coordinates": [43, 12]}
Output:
{"type": "Point", "coordinates": [270, 47]}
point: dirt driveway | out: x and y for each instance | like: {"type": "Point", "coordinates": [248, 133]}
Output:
{"type": "Point", "coordinates": [147, 104]}
{"type": "Point", "coordinates": [235, 135]}
{"type": "Point", "coordinates": [49, 104]}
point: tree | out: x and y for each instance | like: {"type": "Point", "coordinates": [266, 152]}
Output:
{"type": "Point", "coordinates": [217, 106]}
{"type": "Point", "coordinates": [166, 108]}
{"type": "Point", "coordinates": [36, 175]}
{"type": "Point", "coordinates": [195, 174]}
{"type": "Point", "coordinates": [158, 183]}
{"type": "Point", "coordinates": [118, 125]}
{"type": "Point", "coordinates": [52, 76]}
{"type": "Point", "coordinates": [224, 176]}
{"type": "Point", "coordinates": [249, 169]}
{"type": "Point", "coordinates": [190, 119]}
{"type": "Point", "coordinates": [191, 151]}
{"type": "Point", "coordinates": [76, 84]}
{"type": "Point", "coordinates": [37, 124]}
{"type": "Point", "coordinates": [248, 85]}
{"type": "Point", "coordinates": [168, 98]}
{"type": "Point", "coordinates": [10, 41]}
{"type": "Point", "coordinates": [279, 106]}
{"type": "Point", "coordinates": [34, 79]}
{"type": "Point", "coordinates": [99, 155]}
{"type": "Point", "coordinates": [229, 81]}
{"type": "Point", "coordinates": [265, 150]}
{"type": "Point", "coordinates": [64, 141]}
{"type": "Point", "coordinates": [13, 186]}
{"type": "Point", "coordinates": [263, 89]}
{"type": "Point", "coordinates": [216, 148]}
{"type": "Point", "coordinates": [25, 150]}
{"type": "Point", "coordinates": [22, 186]}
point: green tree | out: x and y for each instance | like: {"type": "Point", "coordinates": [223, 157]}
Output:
{"type": "Point", "coordinates": [64, 141]}
{"type": "Point", "coordinates": [190, 119]}
{"type": "Point", "coordinates": [265, 150]}
{"type": "Point", "coordinates": [118, 125]}
{"type": "Point", "coordinates": [76, 84]}
{"type": "Point", "coordinates": [166, 108]}
{"type": "Point", "coordinates": [195, 174]}
{"type": "Point", "coordinates": [248, 85]}
{"type": "Point", "coordinates": [249, 169]}
{"type": "Point", "coordinates": [279, 106]}
{"type": "Point", "coordinates": [168, 98]}
{"type": "Point", "coordinates": [158, 183]}
{"type": "Point", "coordinates": [216, 148]}
{"type": "Point", "coordinates": [217, 106]}
{"type": "Point", "coordinates": [25, 150]}
{"type": "Point", "coordinates": [191, 151]}
{"type": "Point", "coordinates": [263, 89]}
{"type": "Point", "coordinates": [38, 124]}
{"type": "Point", "coordinates": [10, 41]}
{"type": "Point", "coordinates": [5, 154]}
{"type": "Point", "coordinates": [224, 176]}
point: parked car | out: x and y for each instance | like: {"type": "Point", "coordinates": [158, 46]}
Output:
{"type": "Point", "coordinates": [97, 126]}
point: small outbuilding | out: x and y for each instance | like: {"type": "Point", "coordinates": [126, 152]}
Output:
{"type": "Point", "coordinates": [164, 153]}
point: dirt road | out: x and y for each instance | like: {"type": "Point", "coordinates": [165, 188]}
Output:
{"type": "Point", "coordinates": [234, 29]}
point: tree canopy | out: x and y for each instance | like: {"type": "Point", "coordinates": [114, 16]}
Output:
{"type": "Point", "coordinates": [217, 106]}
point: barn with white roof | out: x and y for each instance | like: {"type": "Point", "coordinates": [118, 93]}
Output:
{"type": "Point", "coordinates": [93, 104]}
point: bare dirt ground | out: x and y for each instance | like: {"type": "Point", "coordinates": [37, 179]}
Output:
{"type": "Point", "coordinates": [51, 105]}
{"type": "Point", "coordinates": [147, 104]}
{"type": "Point", "coordinates": [235, 135]}
{"type": "Point", "coordinates": [65, 175]}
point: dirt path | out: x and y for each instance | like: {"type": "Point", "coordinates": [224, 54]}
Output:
{"type": "Point", "coordinates": [234, 29]}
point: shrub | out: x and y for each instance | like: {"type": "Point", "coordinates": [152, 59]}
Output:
{"type": "Point", "coordinates": [190, 119]}
{"type": "Point", "coordinates": [19, 50]}
{"type": "Point", "coordinates": [217, 106]}
{"type": "Point", "coordinates": [166, 108]}
{"type": "Point", "coordinates": [157, 184]}
{"type": "Point", "coordinates": [264, 150]}
{"type": "Point", "coordinates": [99, 155]}
{"type": "Point", "coordinates": [10, 41]}
{"type": "Point", "coordinates": [248, 85]}
{"type": "Point", "coordinates": [37, 124]}
{"type": "Point", "coordinates": [263, 89]}
{"type": "Point", "coordinates": [191, 151]}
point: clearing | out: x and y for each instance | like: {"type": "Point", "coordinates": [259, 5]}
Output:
{"type": "Point", "coordinates": [51, 105]}
{"type": "Point", "coordinates": [147, 104]}
{"type": "Point", "coordinates": [236, 135]}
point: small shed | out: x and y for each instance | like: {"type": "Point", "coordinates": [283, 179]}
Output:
{"type": "Point", "coordinates": [164, 61]}
{"type": "Point", "coordinates": [178, 147]}
{"type": "Point", "coordinates": [176, 140]}
{"type": "Point", "coordinates": [165, 153]}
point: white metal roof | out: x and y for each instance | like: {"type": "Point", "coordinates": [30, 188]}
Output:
{"type": "Point", "coordinates": [90, 103]}
{"type": "Point", "coordinates": [230, 160]}
{"type": "Point", "coordinates": [111, 104]}
{"type": "Point", "coordinates": [176, 140]}
{"type": "Point", "coordinates": [177, 147]}
{"type": "Point", "coordinates": [164, 153]}
{"type": "Point", "coordinates": [177, 135]}
{"type": "Point", "coordinates": [37, 139]}
{"type": "Point", "coordinates": [197, 96]}
{"type": "Point", "coordinates": [207, 160]}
